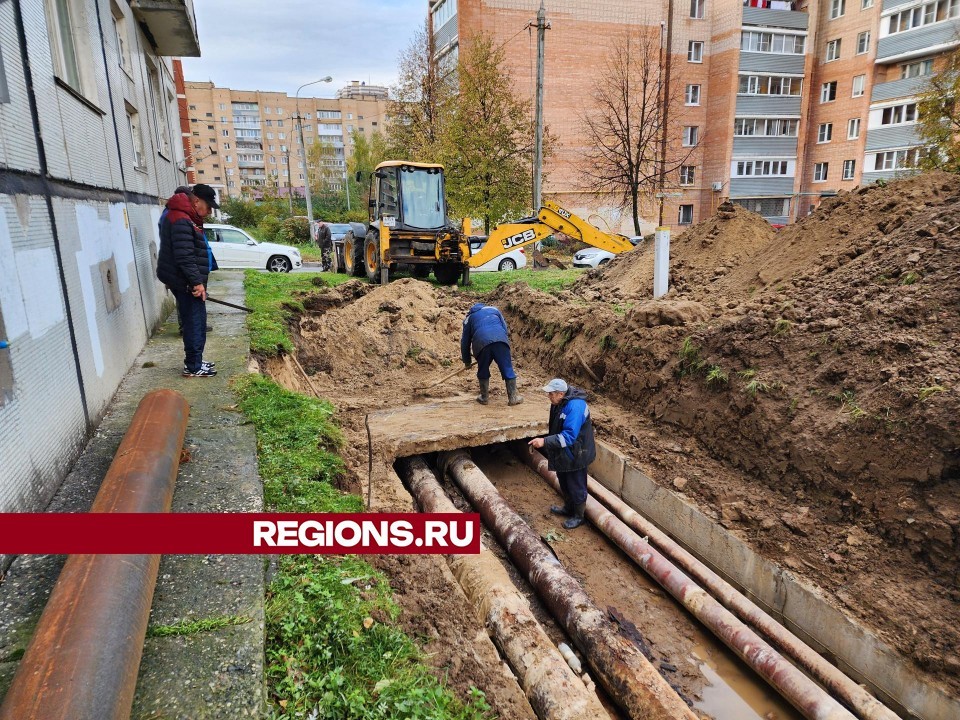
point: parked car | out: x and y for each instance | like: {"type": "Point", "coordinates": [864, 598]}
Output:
{"type": "Point", "coordinates": [338, 230]}
{"type": "Point", "coordinates": [234, 248]}
{"type": "Point", "coordinates": [592, 257]}
{"type": "Point", "coordinates": [513, 260]}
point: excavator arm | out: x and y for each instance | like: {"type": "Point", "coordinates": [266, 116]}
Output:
{"type": "Point", "coordinates": [551, 218]}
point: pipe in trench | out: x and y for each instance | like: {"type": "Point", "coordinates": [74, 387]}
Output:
{"type": "Point", "coordinates": [865, 705]}
{"type": "Point", "coordinates": [810, 699]}
{"type": "Point", "coordinates": [555, 692]}
{"type": "Point", "coordinates": [619, 664]}
{"type": "Point", "coordinates": [84, 656]}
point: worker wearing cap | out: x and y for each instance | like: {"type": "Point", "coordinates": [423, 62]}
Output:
{"type": "Point", "coordinates": [570, 447]}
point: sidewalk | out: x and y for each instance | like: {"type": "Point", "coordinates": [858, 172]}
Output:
{"type": "Point", "coordinates": [212, 674]}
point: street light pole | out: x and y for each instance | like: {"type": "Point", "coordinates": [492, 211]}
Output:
{"type": "Point", "coordinates": [303, 150]}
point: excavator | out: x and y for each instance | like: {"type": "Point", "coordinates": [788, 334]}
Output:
{"type": "Point", "coordinates": [408, 227]}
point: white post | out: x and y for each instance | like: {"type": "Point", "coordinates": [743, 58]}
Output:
{"type": "Point", "coordinates": [661, 262]}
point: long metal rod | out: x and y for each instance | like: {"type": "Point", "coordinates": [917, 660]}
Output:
{"type": "Point", "coordinates": [542, 27]}
{"type": "Point", "coordinates": [804, 694]}
{"type": "Point", "coordinates": [555, 692]}
{"type": "Point", "coordinates": [619, 664]}
{"type": "Point", "coordinates": [83, 658]}
{"type": "Point", "coordinates": [862, 702]}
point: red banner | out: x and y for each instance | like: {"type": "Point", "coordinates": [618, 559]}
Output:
{"type": "Point", "coordinates": [239, 533]}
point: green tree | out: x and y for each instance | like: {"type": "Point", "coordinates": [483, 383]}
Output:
{"type": "Point", "coordinates": [488, 144]}
{"type": "Point", "coordinates": [242, 213]}
{"type": "Point", "coordinates": [938, 122]}
{"type": "Point", "coordinates": [368, 152]}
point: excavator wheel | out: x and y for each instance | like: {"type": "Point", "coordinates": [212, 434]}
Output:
{"type": "Point", "coordinates": [353, 255]}
{"type": "Point", "coordinates": [371, 257]}
{"type": "Point", "coordinates": [422, 271]}
{"type": "Point", "coordinates": [447, 273]}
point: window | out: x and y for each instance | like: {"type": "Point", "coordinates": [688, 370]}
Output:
{"type": "Point", "coordinates": [825, 133]}
{"type": "Point", "coordinates": [833, 50]}
{"type": "Point", "coordinates": [695, 51]}
{"type": "Point", "coordinates": [769, 85]}
{"type": "Point", "coordinates": [899, 114]}
{"type": "Point", "coordinates": [159, 99]}
{"type": "Point", "coordinates": [349, 116]}
{"type": "Point", "coordinates": [685, 215]}
{"type": "Point", "coordinates": [225, 133]}
{"type": "Point", "coordinates": [925, 14]}
{"type": "Point", "coordinates": [866, 4]}
{"type": "Point", "coordinates": [120, 35]}
{"type": "Point", "coordinates": [222, 106]}
{"type": "Point", "coordinates": [193, 107]}
{"type": "Point", "coordinates": [328, 114]}
{"type": "Point", "coordinates": [228, 158]}
{"type": "Point", "coordinates": [916, 69]}
{"type": "Point", "coordinates": [849, 167]}
{"type": "Point", "coordinates": [692, 96]}
{"type": "Point", "coordinates": [859, 83]}
{"type": "Point", "coordinates": [863, 42]}
{"type": "Point", "coordinates": [281, 136]}
{"type": "Point", "coordinates": [67, 49]}
{"type": "Point", "coordinates": [696, 9]}
{"type": "Point", "coordinates": [762, 168]}
{"type": "Point", "coordinates": [769, 127]}
{"type": "Point", "coordinates": [267, 110]}
{"type": "Point", "coordinates": [897, 159]}
{"type": "Point", "coordinates": [828, 92]}
{"type": "Point", "coordinates": [755, 41]}
{"type": "Point", "coordinates": [691, 133]}
{"type": "Point", "coordinates": [279, 123]}
{"type": "Point", "coordinates": [136, 138]}
{"type": "Point", "coordinates": [820, 171]}
{"type": "Point", "coordinates": [269, 136]}
{"type": "Point", "coordinates": [837, 8]}
{"type": "Point", "coordinates": [268, 123]}
{"type": "Point", "coordinates": [226, 146]}
{"type": "Point", "coordinates": [687, 174]}
{"type": "Point", "coordinates": [767, 207]}
{"type": "Point", "coordinates": [853, 128]}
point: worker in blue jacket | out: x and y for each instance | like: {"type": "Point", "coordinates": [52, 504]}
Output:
{"type": "Point", "coordinates": [485, 334]}
{"type": "Point", "coordinates": [570, 448]}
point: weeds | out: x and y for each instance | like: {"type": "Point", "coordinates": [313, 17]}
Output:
{"type": "Point", "coordinates": [607, 343]}
{"type": "Point", "coordinates": [782, 327]}
{"type": "Point", "coordinates": [413, 352]}
{"type": "Point", "coordinates": [565, 337]}
{"type": "Point", "coordinates": [716, 376]}
{"type": "Point", "coordinates": [690, 361]}
{"type": "Point", "coordinates": [756, 385]}
{"type": "Point", "coordinates": [928, 392]}
{"type": "Point", "coordinates": [909, 278]}
{"type": "Point", "coordinates": [192, 627]}
{"type": "Point", "coordinates": [848, 404]}
{"type": "Point", "coordinates": [747, 374]}
{"type": "Point", "coordinates": [621, 308]}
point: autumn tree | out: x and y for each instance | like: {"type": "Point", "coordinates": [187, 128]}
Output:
{"type": "Point", "coordinates": [368, 152]}
{"type": "Point", "coordinates": [938, 122]}
{"type": "Point", "coordinates": [488, 145]}
{"type": "Point", "coordinates": [624, 127]}
{"type": "Point", "coordinates": [327, 177]}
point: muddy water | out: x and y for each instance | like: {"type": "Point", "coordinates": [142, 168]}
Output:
{"type": "Point", "coordinates": [717, 682]}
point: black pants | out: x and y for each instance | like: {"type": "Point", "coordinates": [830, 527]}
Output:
{"type": "Point", "coordinates": [573, 484]}
{"type": "Point", "coordinates": [193, 314]}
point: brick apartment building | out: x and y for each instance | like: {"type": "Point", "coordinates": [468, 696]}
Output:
{"type": "Point", "coordinates": [785, 102]}
{"type": "Point", "coordinates": [241, 140]}
{"type": "Point", "coordinates": [88, 154]}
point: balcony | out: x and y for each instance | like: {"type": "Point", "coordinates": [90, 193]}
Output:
{"type": "Point", "coordinates": [775, 14]}
{"type": "Point", "coordinates": [907, 87]}
{"type": "Point", "coordinates": [924, 40]}
{"type": "Point", "coordinates": [170, 25]}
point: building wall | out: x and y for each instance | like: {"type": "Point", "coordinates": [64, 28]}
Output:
{"type": "Point", "coordinates": [78, 237]}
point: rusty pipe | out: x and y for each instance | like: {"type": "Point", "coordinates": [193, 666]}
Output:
{"type": "Point", "coordinates": [618, 664]}
{"type": "Point", "coordinates": [83, 658]}
{"type": "Point", "coordinates": [810, 699]}
{"type": "Point", "coordinates": [865, 705]}
{"type": "Point", "coordinates": [555, 692]}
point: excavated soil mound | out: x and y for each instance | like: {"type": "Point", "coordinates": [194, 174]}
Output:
{"type": "Point", "coordinates": [699, 255]}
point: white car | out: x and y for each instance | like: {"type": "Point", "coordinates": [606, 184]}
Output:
{"type": "Point", "coordinates": [234, 248]}
{"type": "Point", "coordinates": [513, 260]}
{"type": "Point", "coordinates": [592, 257]}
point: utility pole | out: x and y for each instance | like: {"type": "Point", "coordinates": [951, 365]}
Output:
{"type": "Point", "coordinates": [661, 248]}
{"type": "Point", "coordinates": [346, 181]}
{"type": "Point", "coordinates": [289, 181]}
{"type": "Point", "coordinates": [303, 150]}
{"type": "Point", "coordinates": [542, 27]}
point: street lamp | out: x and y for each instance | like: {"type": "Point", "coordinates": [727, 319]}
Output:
{"type": "Point", "coordinates": [303, 149]}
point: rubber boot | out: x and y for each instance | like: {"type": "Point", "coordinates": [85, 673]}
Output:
{"type": "Point", "coordinates": [576, 520]}
{"type": "Point", "coordinates": [564, 510]}
{"type": "Point", "coordinates": [513, 397]}
{"type": "Point", "coordinates": [483, 398]}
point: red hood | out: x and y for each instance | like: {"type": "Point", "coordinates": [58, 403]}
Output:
{"type": "Point", "coordinates": [180, 207]}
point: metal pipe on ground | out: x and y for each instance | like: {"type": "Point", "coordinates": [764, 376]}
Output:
{"type": "Point", "coordinates": [83, 658]}
{"type": "Point", "coordinates": [810, 699]}
{"type": "Point", "coordinates": [865, 705]}
{"type": "Point", "coordinates": [555, 692]}
{"type": "Point", "coordinates": [618, 663]}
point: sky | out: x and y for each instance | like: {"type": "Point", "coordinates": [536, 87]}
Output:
{"type": "Point", "coordinates": [278, 45]}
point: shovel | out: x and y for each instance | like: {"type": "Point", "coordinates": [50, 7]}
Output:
{"type": "Point", "coordinates": [224, 302]}
{"type": "Point", "coordinates": [443, 379]}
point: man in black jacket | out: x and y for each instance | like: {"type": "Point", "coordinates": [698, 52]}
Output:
{"type": "Point", "coordinates": [183, 265]}
{"type": "Point", "coordinates": [570, 447]}
{"type": "Point", "coordinates": [325, 241]}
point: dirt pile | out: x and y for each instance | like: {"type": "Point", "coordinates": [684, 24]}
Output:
{"type": "Point", "coordinates": [703, 253]}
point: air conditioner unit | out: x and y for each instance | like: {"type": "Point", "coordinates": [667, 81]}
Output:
{"type": "Point", "coordinates": [717, 186]}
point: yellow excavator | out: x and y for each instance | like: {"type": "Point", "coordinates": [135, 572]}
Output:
{"type": "Point", "coordinates": [409, 228]}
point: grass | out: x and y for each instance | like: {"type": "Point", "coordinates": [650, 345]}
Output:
{"type": "Point", "coordinates": [909, 278]}
{"type": "Point", "coordinates": [275, 298]}
{"type": "Point", "coordinates": [192, 627]}
{"type": "Point", "coordinates": [848, 404]}
{"type": "Point", "coordinates": [716, 376]}
{"type": "Point", "coordinates": [550, 280]}
{"type": "Point", "coordinates": [607, 342]}
{"type": "Point", "coordinates": [326, 655]}
{"type": "Point", "coordinates": [928, 392]}
{"type": "Point", "coordinates": [782, 327]}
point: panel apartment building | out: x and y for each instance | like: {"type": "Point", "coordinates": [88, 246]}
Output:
{"type": "Point", "coordinates": [242, 140]}
{"type": "Point", "coordinates": [779, 103]}
{"type": "Point", "coordinates": [88, 152]}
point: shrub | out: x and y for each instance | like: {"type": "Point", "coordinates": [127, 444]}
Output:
{"type": "Point", "coordinates": [294, 230]}
{"type": "Point", "coordinates": [269, 226]}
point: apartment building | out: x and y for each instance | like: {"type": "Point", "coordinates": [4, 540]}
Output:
{"type": "Point", "coordinates": [88, 153]}
{"type": "Point", "coordinates": [778, 103]}
{"type": "Point", "coordinates": [243, 140]}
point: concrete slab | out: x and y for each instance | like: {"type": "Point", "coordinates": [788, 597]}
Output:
{"type": "Point", "coordinates": [217, 674]}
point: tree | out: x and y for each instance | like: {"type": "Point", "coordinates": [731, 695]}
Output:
{"type": "Point", "coordinates": [488, 145]}
{"type": "Point", "coordinates": [938, 121]}
{"type": "Point", "coordinates": [421, 102]}
{"type": "Point", "coordinates": [625, 126]}
{"type": "Point", "coordinates": [368, 152]}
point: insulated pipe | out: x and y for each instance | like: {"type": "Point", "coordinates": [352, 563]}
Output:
{"type": "Point", "coordinates": [865, 705]}
{"type": "Point", "coordinates": [619, 664]}
{"type": "Point", "coordinates": [804, 694]}
{"type": "Point", "coordinates": [84, 655]}
{"type": "Point", "coordinates": [555, 692]}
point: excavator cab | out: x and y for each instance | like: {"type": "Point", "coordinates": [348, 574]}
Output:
{"type": "Point", "coordinates": [408, 226]}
